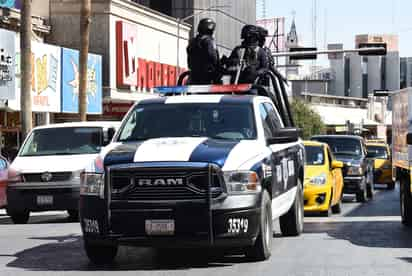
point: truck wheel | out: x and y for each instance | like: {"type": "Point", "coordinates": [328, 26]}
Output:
{"type": "Point", "coordinates": [291, 223]}
{"type": "Point", "coordinates": [361, 196]}
{"type": "Point", "coordinates": [19, 217]}
{"type": "Point", "coordinates": [100, 254]}
{"type": "Point", "coordinates": [406, 202]}
{"type": "Point", "coordinates": [261, 250]}
{"type": "Point", "coordinates": [73, 215]}
{"type": "Point", "coordinates": [391, 186]}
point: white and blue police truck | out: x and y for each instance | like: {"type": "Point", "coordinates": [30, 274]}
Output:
{"type": "Point", "coordinates": [199, 166]}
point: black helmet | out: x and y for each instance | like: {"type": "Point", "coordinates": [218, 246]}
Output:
{"type": "Point", "coordinates": [263, 33]}
{"type": "Point", "coordinates": [249, 31]}
{"type": "Point", "coordinates": [206, 26]}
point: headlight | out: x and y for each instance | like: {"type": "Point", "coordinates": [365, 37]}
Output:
{"type": "Point", "coordinates": [242, 182]}
{"type": "Point", "coordinates": [318, 180]}
{"type": "Point", "coordinates": [355, 171]}
{"type": "Point", "coordinates": [92, 184]}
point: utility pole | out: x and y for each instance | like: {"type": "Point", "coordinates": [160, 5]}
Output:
{"type": "Point", "coordinates": [25, 67]}
{"type": "Point", "coordinates": [85, 20]}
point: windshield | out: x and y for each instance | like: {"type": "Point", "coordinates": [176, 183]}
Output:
{"type": "Point", "coordinates": [214, 120]}
{"type": "Point", "coordinates": [314, 156]}
{"type": "Point", "coordinates": [342, 146]}
{"type": "Point", "coordinates": [377, 152]}
{"type": "Point", "coordinates": [63, 141]}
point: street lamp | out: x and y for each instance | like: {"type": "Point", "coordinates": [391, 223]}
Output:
{"type": "Point", "coordinates": [179, 22]}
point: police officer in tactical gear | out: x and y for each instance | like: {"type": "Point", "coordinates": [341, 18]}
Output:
{"type": "Point", "coordinates": [263, 33]}
{"type": "Point", "coordinates": [203, 56]}
{"type": "Point", "coordinates": [249, 55]}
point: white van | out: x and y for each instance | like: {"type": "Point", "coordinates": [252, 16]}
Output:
{"type": "Point", "coordinates": [45, 175]}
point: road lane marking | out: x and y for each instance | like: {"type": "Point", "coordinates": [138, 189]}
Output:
{"type": "Point", "coordinates": [353, 219]}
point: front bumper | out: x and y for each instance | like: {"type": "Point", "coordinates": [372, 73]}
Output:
{"type": "Point", "coordinates": [383, 176]}
{"type": "Point", "coordinates": [230, 222]}
{"type": "Point", "coordinates": [317, 198]}
{"type": "Point", "coordinates": [24, 197]}
{"type": "Point", "coordinates": [353, 184]}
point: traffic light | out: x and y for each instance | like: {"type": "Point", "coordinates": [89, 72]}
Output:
{"type": "Point", "coordinates": [373, 52]}
{"type": "Point", "coordinates": [303, 56]}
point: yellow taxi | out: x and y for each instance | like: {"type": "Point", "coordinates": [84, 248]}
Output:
{"type": "Point", "coordinates": [323, 183]}
{"type": "Point", "coordinates": [381, 154]}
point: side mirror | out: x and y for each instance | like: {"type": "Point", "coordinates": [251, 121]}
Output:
{"type": "Point", "coordinates": [337, 164]}
{"type": "Point", "coordinates": [285, 135]}
{"type": "Point", "coordinates": [110, 133]}
{"type": "Point", "coordinates": [409, 138]}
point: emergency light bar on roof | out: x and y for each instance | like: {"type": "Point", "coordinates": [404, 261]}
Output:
{"type": "Point", "coordinates": [203, 89]}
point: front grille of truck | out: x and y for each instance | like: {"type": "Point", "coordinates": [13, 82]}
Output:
{"type": "Point", "coordinates": [152, 184]}
{"type": "Point", "coordinates": [55, 177]}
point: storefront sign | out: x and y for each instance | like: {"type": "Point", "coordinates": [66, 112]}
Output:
{"type": "Point", "coordinates": [135, 70]}
{"type": "Point", "coordinates": [70, 82]}
{"type": "Point", "coordinates": [116, 109]}
{"type": "Point", "coordinates": [46, 71]}
{"type": "Point", "coordinates": [7, 64]}
{"type": "Point", "coordinates": [16, 4]}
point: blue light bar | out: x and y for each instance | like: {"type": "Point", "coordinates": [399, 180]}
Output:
{"type": "Point", "coordinates": [204, 89]}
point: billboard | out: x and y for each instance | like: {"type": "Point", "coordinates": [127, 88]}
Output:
{"type": "Point", "coordinates": [276, 39]}
{"type": "Point", "coordinates": [126, 49]}
{"type": "Point", "coordinates": [16, 4]}
{"type": "Point", "coordinates": [7, 64]}
{"type": "Point", "coordinates": [46, 73]}
{"type": "Point", "coordinates": [70, 82]}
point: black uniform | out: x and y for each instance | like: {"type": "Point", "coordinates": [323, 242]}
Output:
{"type": "Point", "coordinates": [203, 56]}
{"type": "Point", "coordinates": [254, 60]}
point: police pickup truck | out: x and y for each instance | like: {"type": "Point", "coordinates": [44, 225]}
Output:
{"type": "Point", "coordinates": [199, 166]}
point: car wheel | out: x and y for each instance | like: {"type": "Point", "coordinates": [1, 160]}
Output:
{"type": "Point", "coordinates": [361, 196]}
{"type": "Point", "coordinates": [73, 215]}
{"type": "Point", "coordinates": [261, 250]}
{"type": "Point", "coordinates": [100, 254]}
{"type": "Point", "coordinates": [19, 217]}
{"type": "Point", "coordinates": [406, 202]}
{"type": "Point", "coordinates": [291, 223]}
{"type": "Point", "coordinates": [337, 209]}
{"type": "Point", "coordinates": [391, 186]}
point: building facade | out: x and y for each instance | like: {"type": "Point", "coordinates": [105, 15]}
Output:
{"type": "Point", "coordinates": [230, 16]}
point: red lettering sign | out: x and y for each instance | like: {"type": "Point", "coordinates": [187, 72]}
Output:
{"type": "Point", "coordinates": [142, 75]}
{"type": "Point", "coordinates": [172, 75]}
{"type": "Point", "coordinates": [158, 74]}
{"type": "Point", "coordinates": [165, 74]}
{"type": "Point", "coordinates": [126, 53]}
{"type": "Point", "coordinates": [150, 74]}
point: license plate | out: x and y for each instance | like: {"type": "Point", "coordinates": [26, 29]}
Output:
{"type": "Point", "coordinates": [44, 200]}
{"type": "Point", "coordinates": [159, 227]}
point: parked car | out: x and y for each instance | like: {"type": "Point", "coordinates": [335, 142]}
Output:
{"type": "Point", "coordinates": [381, 154]}
{"type": "Point", "coordinates": [4, 165]}
{"type": "Point", "coordinates": [323, 185]}
{"type": "Point", "coordinates": [358, 168]}
{"type": "Point", "coordinates": [45, 175]}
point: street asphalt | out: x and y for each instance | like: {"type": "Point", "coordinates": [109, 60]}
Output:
{"type": "Point", "coordinates": [366, 239]}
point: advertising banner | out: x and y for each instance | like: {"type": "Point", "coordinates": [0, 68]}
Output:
{"type": "Point", "coordinates": [70, 82]}
{"type": "Point", "coordinates": [15, 4]}
{"type": "Point", "coordinates": [46, 73]}
{"type": "Point", "coordinates": [7, 64]}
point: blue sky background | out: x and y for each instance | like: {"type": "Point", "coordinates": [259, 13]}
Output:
{"type": "Point", "coordinates": [345, 19]}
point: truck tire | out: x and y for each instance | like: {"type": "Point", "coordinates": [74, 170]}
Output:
{"type": "Point", "coordinates": [391, 186]}
{"type": "Point", "coordinates": [362, 194]}
{"type": "Point", "coordinates": [291, 223]}
{"type": "Point", "coordinates": [261, 250]}
{"type": "Point", "coordinates": [337, 209]}
{"type": "Point", "coordinates": [100, 254]}
{"type": "Point", "coordinates": [19, 217]}
{"type": "Point", "coordinates": [406, 202]}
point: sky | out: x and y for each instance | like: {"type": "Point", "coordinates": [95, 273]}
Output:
{"type": "Point", "coordinates": [344, 19]}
